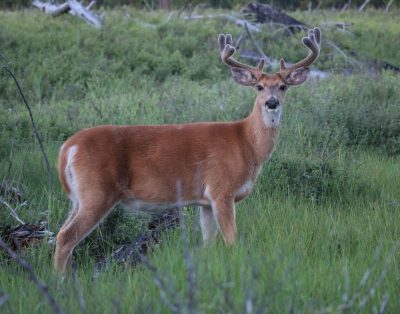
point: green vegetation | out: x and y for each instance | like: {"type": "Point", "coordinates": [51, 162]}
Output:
{"type": "Point", "coordinates": [324, 211]}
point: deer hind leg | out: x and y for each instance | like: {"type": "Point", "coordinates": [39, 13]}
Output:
{"type": "Point", "coordinates": [223, 209]}
{"type": "Point", "coordinates": [82, 222]}
{"type": "Point", "coordinates": [207, 224]}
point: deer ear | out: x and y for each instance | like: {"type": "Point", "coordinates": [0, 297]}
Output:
{"type": "Point", "coordinates": [243, 77]}
{"type": "Point", "coordinates": [298, 76]}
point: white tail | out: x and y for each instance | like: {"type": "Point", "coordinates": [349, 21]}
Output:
{"type": "Point", "coordinates": [216, 163]}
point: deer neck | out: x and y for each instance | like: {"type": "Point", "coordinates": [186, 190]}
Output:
{"type": "Point", "coordinates": [262, 131]}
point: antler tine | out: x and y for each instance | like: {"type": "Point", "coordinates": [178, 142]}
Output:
{"type": "Point", "coordinates": [312, 42]}
{"type": "Point", "coordinates": [227, 50]}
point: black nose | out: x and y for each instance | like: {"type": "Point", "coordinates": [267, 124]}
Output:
{"type": "Point", "coordinates": [272, 103]}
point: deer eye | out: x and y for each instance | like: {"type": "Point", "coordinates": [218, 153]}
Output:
{"type": "Point", "coordinates": [283, 88]}
{"type": "Point", "coordinates": [260, 87]}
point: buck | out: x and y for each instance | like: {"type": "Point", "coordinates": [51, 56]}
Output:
{"type": "Point", "coordinates": [217, 163]}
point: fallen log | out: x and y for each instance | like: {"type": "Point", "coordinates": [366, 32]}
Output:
{"type": "Point", "coordinates": [265, 13]}
{"type": "Point", "coordinates": [130, 253]}
{"type": "Point", "coordinates": [26, 235]}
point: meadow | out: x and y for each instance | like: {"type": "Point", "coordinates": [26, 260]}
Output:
{"type": "Point", "coordinates": [320, 232]}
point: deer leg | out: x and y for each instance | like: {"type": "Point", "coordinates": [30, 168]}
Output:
{"type": "Point", "coordinates": [76, 229]}
{"type": "Point", "coordinates": [224, 214]}
{"type": "Point", "coordinates": [207, 224]}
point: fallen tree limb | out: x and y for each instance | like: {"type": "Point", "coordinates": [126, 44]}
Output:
{"type": "Point", "coordinates": [388, 6]}
{"type": "Point", "coordinates": [237, 21]}
{"type": "Point", "coordinates": [26, 234]}
{"type": "Point", "coordinates": [84, 13]}
{"type": "Point", "coordinates": [362, 7]}
{"type": "Point", "coordinates": [264, 13]}
{"type": "Point", "coordinates": [50, 8]}
{"type": "Point", "coordinates": [73, 7]}
{"type": "Point", "coordinates": [130, 253]}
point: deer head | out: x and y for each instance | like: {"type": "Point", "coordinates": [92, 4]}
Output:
{"type": "Point", "coordinates": [271, 88]}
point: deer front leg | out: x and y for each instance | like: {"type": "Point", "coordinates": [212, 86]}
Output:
{"type": "Point", "coordinates": [223, 209]}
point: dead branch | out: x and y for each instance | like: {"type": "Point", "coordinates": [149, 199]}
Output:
{"type": "Point", "coordinates": [13, 212]}
{"type": "Point", "coordinates": [35, 129]}
{"type": "Point", "coordinates": [50, 8]}
{"type": "Point", "coordinates": [266, 58]}
{"type": "Point", "coordinates": [264, 13]}
{"type": "Point", "coordinates": [238, 22]}
{"type": "Point", "coordinates": [25, 235]}
{"type": "Point", "coordinates": [362, 7]}
{"type": "Point", "coordinates": [130, 253]}
{"type": "Point", "coordinates": [388, 6]}
{"type": "Point", "coordinates": [84, 13]}
{"type": "Point", "coordinates": [10, 192]}
{"type": "Point", "coordinates": [92, 3]}
{"type": "Point", "coordinates": [73, 7]}
{"type": "Point", "coordinates": [40, 285]}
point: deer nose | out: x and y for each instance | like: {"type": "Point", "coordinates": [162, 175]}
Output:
{"type": "Point", "coordinates": [272, 103]}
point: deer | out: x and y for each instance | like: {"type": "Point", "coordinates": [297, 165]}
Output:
{"type": "Point", "coordinates": [216, 163]}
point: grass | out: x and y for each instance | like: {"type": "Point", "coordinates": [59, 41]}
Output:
{"type": "Point", "coordinates": [323, 214]}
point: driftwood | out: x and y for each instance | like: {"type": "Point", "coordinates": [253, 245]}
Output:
{"type": "Point", "coordinates": [131, 253]}
{"type": "Point", "coordinates": [264, 13]}
{"type": "Point", "coordinates": [73, 7]}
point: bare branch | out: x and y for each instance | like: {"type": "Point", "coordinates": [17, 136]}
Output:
{"type": "Point", "coordinates": [52, 9]}
{"type": "Point", "coordinates": [92, 3]}
{"type": "Point", "coordinates": [264, 56]}
{"type": "Point", "coordinates": [238, 22]}
{"type": "Point", "coordinates": [12, 211]}
{"type": "Point", "coordinates": [85, 14]}
{"type": "Point", "coordinates": [388, 6]}
{"type": "Point", "coordinates": [362, 7]}
{"type": "Point", "coordinates": [41, 286]}
{"type": "Point", "coordinates": [35, 129]}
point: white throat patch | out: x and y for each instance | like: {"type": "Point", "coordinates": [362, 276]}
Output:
{"type": "Point", "coordinates": [272, 117]}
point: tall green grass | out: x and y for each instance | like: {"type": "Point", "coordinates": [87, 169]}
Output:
{"type": "Point", "coordinates": [323, 213]}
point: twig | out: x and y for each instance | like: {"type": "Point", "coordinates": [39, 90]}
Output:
{"type": "Point", "coordinates": [42, 287]}
{"type": "Point", "coordinates": [388, 6]}
{"type": "Point", "coordinates": [267, 59]}
{"type": "Point", "coordinates": [362, 7]}
{"type": "Point", "coordinates": [92, 3]}
{"type": "Point", "coordinates": [183, 8]}
{"type": "Point", "coordinates": [33, 125]}
{"type": "Point", "coordinates": [12, 211]}
{"type": "Point", "coordinates": [148, 5]}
